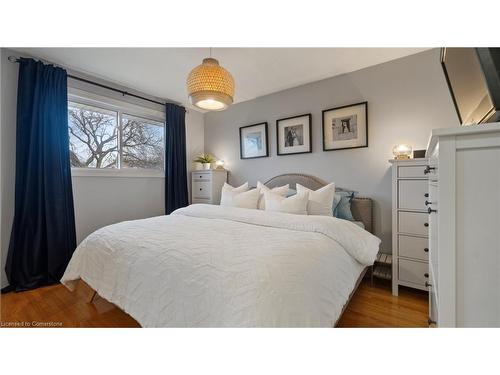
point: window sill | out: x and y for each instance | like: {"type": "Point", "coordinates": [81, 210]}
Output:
{"type": "Point", "coordinates": [117, 173]}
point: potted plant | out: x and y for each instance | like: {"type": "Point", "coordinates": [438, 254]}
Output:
{"type": "Point", "coordinates": [206, 160]}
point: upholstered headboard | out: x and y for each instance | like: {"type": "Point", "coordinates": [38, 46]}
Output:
{"type": "Point", "coordinates": [361, 207]}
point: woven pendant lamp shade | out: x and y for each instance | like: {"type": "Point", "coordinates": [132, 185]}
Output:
{"type": "Point", "coordinates": [210, 86]}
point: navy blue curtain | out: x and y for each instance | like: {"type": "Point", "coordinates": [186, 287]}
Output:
{"type": "Point", "coordinates": [43, 232]}
{"type": "Point", "coordinates": [176, 192]}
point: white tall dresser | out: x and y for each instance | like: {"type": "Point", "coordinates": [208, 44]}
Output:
{"type": "Point", "coordinates": [410, 244]}
{"type": "Point", "coordinates": [206, 185]}
{"type": "Point", "coordinates": [464, 218]}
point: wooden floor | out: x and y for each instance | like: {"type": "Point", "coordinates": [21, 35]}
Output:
{"type": "Point", "coordinates": [55, 306]}
{"type": "Point", "coordinates": [374, 306]}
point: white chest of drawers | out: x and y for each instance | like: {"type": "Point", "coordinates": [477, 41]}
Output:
{"type": "Point", "coordinates": [206, 185]}
{"type": "Point", "coordinates": [464, 226]}
{"type": "Point", "coordinates": [410, 245]}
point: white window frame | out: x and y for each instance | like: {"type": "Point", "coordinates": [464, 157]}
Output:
{"type": "Point", "coordinates": [121, 108]}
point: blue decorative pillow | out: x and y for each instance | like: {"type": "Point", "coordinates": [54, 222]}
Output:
{"type": "Point", "coordinates": [342, 205]}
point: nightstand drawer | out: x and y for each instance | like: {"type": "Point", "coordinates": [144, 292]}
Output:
{"type": "Point", "coordinates": [413, 247]}
{"type": "Point", "coordinates": [201, 176]}
{"type": "Point", "coordinates": [413, 272]}
{"type": "Point", "coordinates": [412, 172]}
{"type": "Point", "coordinates": [202, 189]}
{"type": "Point", "coordinates": [413, 223]}
{"type": "Point", "coordinates": [411, 194]}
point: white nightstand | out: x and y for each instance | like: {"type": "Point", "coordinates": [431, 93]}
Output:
{"type": "Point", "coordinates": [207, 185]}
{"type": "Point", "coordinates": [410, 224]}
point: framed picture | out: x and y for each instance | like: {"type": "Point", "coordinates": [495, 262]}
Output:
{"type": "Point", "coordinates": [345, 127]}
{"type": "Point", "coordinates": [293, 135]}
{"type": "Point", "coordinates": [253, 141]}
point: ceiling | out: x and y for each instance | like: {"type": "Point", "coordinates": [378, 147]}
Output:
{"type": "Point", "coordinates": [162, 72]}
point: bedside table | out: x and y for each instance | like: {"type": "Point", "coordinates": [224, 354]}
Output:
{"type": "Point", "coordinates": [206, 185]}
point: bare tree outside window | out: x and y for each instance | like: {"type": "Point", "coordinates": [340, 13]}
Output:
{"type": "Point", "coordinates": [142, 142]}
{"type": "Point", "coordinates": [95, 139]}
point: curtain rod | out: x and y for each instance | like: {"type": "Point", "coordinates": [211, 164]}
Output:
{"type": "Point", "coordinates": [14, 59]}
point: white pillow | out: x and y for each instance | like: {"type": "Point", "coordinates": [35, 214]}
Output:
{"type": "Point", "coordinates": [245, 199]}
{"type": "Point", "coordinates": [296, 204]}
{"type": "Point", "coordinates": [238, 189]}
{"type": "Point", "coordinates": [226, 198]}
{"type": "Point", "coordinates": [320, 201]}
{"type": "Point", "coordinates": [281, 190]}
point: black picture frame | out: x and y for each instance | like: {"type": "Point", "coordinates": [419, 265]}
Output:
{"type": "Point", "coordinates": [342, 107]}
{"type": "Point", "coordinates": [309, 115]}
{"type": "Point", "coordinates": [267, 141]}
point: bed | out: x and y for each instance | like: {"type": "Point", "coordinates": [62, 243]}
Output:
{"type": "Point", "coordinates": [213, 266]}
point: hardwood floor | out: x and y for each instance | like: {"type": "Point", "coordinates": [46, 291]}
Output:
{"type": "Point", "coordinates": [374, 306]}
{"type": "Point", "coordinates": [55, 306]}
{"type": "Point", "coordinates": [58, 306]}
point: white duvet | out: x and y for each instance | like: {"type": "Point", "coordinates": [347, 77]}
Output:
{"type": "Point", "coordinates": [213, 266]}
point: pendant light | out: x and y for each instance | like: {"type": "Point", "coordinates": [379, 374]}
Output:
{"type": "Point", "coordinates": [210, 86]}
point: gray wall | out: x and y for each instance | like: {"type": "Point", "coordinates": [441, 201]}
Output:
{"type": "Point", "coordinates": [8, 87]}
{"type": "Point", "coordinates": [99, 201]}
{"type": "Point", "coordinates": [406, 99]}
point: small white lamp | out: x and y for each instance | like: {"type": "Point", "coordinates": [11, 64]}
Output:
{"type": "Point", "coordinates": [220, 164]}
{"type": "Point", "coordinates": [402, 152]}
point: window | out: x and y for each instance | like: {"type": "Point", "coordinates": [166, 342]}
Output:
{"type": "Point", "coordinates": [106, 136]}
{"type": "Point", "coordinates": [142, 143]}
{"type": "Point", "coordinates": [93, 137]}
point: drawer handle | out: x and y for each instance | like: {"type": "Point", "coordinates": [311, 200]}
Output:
{"type": "Point", "coordinates": [426, 224]}
{"type": "Point", "coordinates": [426, 249]}
{"type": "Point", "coordinates": [428, 284]}
{"type": "Point", "coordinates": [426, 275]}
{"type": "Point", "coordinates": [430, 210]}
{"type": "Point", "coordinates": [428, 169]}
{"type": "Point", "coordinates": [426, 195]}
{"type": "Point", "coordinates": [430, 321]}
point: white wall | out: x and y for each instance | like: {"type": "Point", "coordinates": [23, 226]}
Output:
{"type": "Point", "coordinates": [3, 277]}
{"type": "Point", "coordinates": [195, 140]}
{"type": "Point", "coordinates": [98, 201]}
{"type": "Point", "coordinates": [8, 87]}
{"type": "Point", "coordinates": [406, 99]}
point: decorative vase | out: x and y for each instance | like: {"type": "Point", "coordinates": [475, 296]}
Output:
{"type": "Point", "coordinates": [198, 166]}
{"type": "Point", "coordinates": [206, 166]}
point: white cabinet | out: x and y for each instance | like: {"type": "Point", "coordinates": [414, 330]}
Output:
{"type": "Point", "coordinates": [206, 185]}
{"type": "Point", "coordinates": [464, 226]}
{"type": "Point", "coordinates": [410, 227]}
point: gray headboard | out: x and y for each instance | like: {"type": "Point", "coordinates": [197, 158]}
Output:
{"type": "Point", "coordinates": [361, 207]}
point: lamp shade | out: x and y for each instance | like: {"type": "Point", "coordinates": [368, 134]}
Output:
{"type": "Point", "coordinates": [402, 151]}
{"type": "Point", "coordinates": [210, 86]}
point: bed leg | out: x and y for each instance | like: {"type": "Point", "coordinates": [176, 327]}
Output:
{"type": "Point", "coordinates": [92, 296]}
